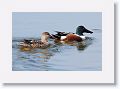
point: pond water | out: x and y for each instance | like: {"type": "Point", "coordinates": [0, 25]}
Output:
{"type": "Point", "coordinates": [82, 56]}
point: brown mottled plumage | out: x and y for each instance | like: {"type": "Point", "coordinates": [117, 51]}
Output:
{"type": "Point", "coordinates": [43, 43]}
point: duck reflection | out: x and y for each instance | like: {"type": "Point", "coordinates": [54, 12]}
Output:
{"type": "Point", "coordinates": [38, 53]}
{"type": "Point", "coordinates": [81, 46]}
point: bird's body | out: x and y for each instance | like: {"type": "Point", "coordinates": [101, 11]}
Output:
{"type": "Point", "coordinates": [43, 43]}
{"type": "Point", "coordinates": [78, 36]}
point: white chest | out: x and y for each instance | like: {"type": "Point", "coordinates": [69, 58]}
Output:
{"type": "Point", "coordinates": [83, 37]}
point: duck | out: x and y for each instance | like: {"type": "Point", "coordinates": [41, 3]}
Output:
{"type": "Point", "coordinates": [43, 43]}
{"type": "Point", "coordinates": [69, 37]}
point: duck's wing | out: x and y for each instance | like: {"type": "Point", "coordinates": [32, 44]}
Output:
{"type": "Point", "coordinates": [27, 41]}
{"type": "Point", "coordinates": [61, 33]}
{"type": "Point", "coordinates": [56, 36]}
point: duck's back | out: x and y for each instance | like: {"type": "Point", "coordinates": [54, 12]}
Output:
{"type": "Point", "coordinates": [34, 44]}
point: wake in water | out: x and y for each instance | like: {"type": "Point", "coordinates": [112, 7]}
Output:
{"type": "Point", "coordinates": [52, 50]}
{"type": "Point", "coordinates": [56, 54]}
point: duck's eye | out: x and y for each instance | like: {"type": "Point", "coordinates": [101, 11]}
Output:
{"type": "Point", "coordinates": [48, 34]}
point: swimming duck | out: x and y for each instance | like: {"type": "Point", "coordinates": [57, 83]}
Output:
{"type": "Point", "coordinates": [43, 43]}
{"type": "Point", "coordinates": [78, 36]}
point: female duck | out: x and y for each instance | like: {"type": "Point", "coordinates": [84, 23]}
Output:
{"type": "Point", "coordinates": [43, 43]}
{"type": "Point", "coordinates": [62, 36]}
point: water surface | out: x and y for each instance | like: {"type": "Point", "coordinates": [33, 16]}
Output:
{"type": "Point", "coordinates": [83, 56]}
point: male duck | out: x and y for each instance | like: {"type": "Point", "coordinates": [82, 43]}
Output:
{"type": "Point", "coordinates": [43, 43]}
{"type": "Point", "coordinates": [78, 36]}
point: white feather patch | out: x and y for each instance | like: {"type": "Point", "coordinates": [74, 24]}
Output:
{"type": "Point", "coordinates": [83, 37]}
{"type": "Point", "coordinates": [63, 37]}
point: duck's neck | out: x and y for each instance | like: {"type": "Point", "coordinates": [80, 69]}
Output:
{"type": "Point", "coordinates": [44, 39]}
{"type": "Point", "coordinates": [78, 32]}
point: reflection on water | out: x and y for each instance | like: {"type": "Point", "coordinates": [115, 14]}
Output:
{"type": "Point", "coordinates": [71, 56]}
{"type": "Point", "coordinates": [48, 52]}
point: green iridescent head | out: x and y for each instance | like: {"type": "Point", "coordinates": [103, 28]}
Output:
{"type": "Point", "coordinates": [81, 29]}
